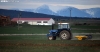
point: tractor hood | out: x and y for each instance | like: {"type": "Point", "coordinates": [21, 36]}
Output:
{"type": "Point", "coordinates": [52, 30]}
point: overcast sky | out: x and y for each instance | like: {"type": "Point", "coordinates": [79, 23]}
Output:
{"type": "Point", "coordinates": [54, 4]}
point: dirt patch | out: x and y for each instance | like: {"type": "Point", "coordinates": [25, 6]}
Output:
{"type": "Point", "coordinates": [43, 44]}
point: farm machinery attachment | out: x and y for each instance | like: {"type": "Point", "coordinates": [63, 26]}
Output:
{"type": "Point", "coordinates": [81, 37]}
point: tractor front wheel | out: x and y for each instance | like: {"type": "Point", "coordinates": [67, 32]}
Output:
{"type": "Point", "coordinates": [52, 37]}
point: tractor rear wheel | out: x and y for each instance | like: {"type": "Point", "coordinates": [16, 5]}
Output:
{"type": "Point", "coordinates": [52, 37]}
{"type": "Point", "coordinates": [65, 35]}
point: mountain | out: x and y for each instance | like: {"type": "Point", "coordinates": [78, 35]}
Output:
{"type": "Point", "coordinates": [15, 9]}
{"type": "Point", "coordinates": [94, 12]}
{"type": "Point", "coordinates": [24, 14]}
{"type": "Point", "coordinates": [74, 12]}
{"type": "Point", "coordinates": [44, 9]}
{"type": "Point", "coordinates": [28, 10]}
{"type": "Point", "coordinates": [64, 11]}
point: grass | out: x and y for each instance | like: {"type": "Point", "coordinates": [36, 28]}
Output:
{"type": "Point", "coordinates": [39, 43]}
{"type": "Point", "coordinates": [86, 26]}
{"type": "Point", "coordinates": [30, 29]}
{"type": "Point", "coordinates": [50, 49]}
{"type": "Point", "coordinates": [25, 29]}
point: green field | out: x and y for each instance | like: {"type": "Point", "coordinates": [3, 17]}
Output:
{"type": "Point", "coordinates": [37, 43]}
{"type": "Point", "coordinates": [36, 29]}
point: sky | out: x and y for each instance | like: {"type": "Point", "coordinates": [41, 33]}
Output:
{"type": "Point", "coordinates": [53, 4]}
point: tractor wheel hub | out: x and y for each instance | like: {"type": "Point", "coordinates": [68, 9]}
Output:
{"type": "Point", "coordinates": [64, 35]}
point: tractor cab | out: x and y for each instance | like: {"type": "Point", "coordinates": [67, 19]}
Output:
{"type": "Point", "coordinates": [63, 26]}
{"type": "Point", "coordinates": [63, 32]}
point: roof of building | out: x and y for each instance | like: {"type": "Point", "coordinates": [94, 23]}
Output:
{"type": "Point", "coordinates": [16, 19]}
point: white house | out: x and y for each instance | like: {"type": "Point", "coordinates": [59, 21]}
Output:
{"type": "Point", "coordinates": [35, 21]}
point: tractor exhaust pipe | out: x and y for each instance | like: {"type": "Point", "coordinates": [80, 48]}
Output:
{"type": "Point", "coordinates": [52, 26]}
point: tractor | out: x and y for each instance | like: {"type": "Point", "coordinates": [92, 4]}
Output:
{"type": "Point", "coordinates": [63, 32]}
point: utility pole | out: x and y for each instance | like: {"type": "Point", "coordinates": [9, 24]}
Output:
{"type": "Point", "coordinates": [70, 14]}
{"type": "Point", "coordinates": [19, 15]}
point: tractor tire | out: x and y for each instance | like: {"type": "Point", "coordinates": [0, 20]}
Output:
{"type": "Point", "coordinates": [52, 38]}
{"type": "Point", "coordinates": [65, 35]}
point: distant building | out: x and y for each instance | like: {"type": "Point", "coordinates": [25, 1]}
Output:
{"type": "Point", "coordinates": [34, 21]}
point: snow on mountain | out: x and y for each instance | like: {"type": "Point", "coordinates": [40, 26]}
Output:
{"type": "Point", "coordinates": [91, 12]}
{"type": "Point", "coordinates": [44, 9]}
{"type": "Point", "coordinates": [74, 12]}
{"type": "Point", "coordinates": [94, 12]}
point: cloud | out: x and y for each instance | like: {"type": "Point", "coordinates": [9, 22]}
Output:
{"type": "Point", "coordinates": [77, 2]}
{"type": "Point", "coordinates": [36, 3]}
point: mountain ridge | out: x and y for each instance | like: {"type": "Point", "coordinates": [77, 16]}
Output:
{"type": "Point", "coordinates": [65, 11]}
